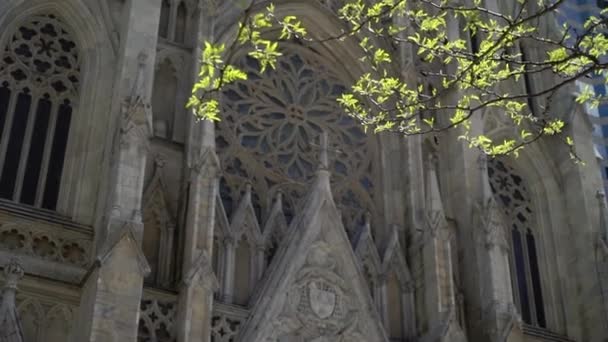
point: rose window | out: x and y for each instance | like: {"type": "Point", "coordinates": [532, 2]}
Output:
{"type": "Point", "coordinates": [270, 133]}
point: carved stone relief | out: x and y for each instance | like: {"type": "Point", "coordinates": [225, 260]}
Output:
{"type": "Point", "coordinates": [44, 320]}
{"type": "Point", "coordinates": [58, 245]}
{"type": "Point", "coordinates": [319, 305]}
{"type": "Point", "coordinates": [157, 316]}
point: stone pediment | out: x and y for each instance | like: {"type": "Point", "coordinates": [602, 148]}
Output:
{"type": "Point", "coordinates": [315, 291]}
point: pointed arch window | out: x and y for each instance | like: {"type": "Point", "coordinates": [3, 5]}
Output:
{"type": "Point", "coordinates": [173, 22]}
{"type": "Point", "coordinates": [165, 14]}
{"type": "Point", "coordinates": [39, 90]}
{"type": "Point", "coordinates": [510, 190]}
{"type": "Point", "coordinates": [180, 23]}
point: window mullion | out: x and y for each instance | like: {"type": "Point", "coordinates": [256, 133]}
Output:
{"type": "Point", "coordinates": [8, 124]}
{"type": "Point", "coordinates": [25, 150]}
{"type": "Point", "coordinates": [48, 142]}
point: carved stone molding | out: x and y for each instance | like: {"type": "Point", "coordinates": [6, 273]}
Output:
{"type": "Point", "coordinates": [157, 317]}
{"type": "Point", "coordinates": [226, 322]}
{"type": "Point", "coordinates": [45, 242]}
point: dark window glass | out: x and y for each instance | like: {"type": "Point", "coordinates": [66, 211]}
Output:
{"type": "Point", "coordinates": [527, 82]}
{"type": "Point", "coordinates": [520, 270]}
{"type": "Point", "coordinates": [535, 277]}
{"type": "Point", "coordinates": [165, 12]}
{"type": "Point", "coordinates": [474, 42]}
{"type": "Point", "coordinates": [180, 23]}
{"type": "Point", "coordinates": [34, 159]}
{"type": "Point", "coordinates": [15, 145]}
{"type": "Point", "coordinates": [5, 97]}
{"type": "Point", "coordinates": [60, 140]}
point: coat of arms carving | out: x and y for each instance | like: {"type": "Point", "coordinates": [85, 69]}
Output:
{"type": "Point", "coordinates": [322, 299]}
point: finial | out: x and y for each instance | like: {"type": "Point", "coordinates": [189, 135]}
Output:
{"type": "Point", "coordinates": [367, 218]}
{"type": "Point", "coordinates": [279, 197]}
{"type": "Point", "coordinates": [13, 273]}
{"type": "Point", "coordinates": [248, 190]}
{"type": "Point", "coordinates": [324, 154]}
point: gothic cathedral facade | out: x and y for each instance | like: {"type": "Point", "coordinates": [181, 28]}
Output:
{"type": "Point", "coordinates": [124, 219]}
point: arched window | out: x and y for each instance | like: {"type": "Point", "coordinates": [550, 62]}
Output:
{"type": "Point", "coordinates": [165, 15]}
{"type": "Point", "coordinates": [510, 190]}
{"type": "Point", "coordinates": [39, 88]}
{"type": "Point", "coordinates": [271, 124]}
{"type": "Point", "coordinates": [180, 23]}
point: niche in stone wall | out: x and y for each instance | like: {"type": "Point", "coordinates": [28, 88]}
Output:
{"type": "Point", "coordinates": [151, 242]}
{"type": "Point", "coordinates": [396, 319]}
{"type": "Point", "coordinates": [165, 14]}
{"type": "Point", "coordinates": [159, 232]}
{"type": "Point", "coordinates": [242, 272]}
{"type": "Point", "coordinates": [180, 23]}
{"type": "Point", "coordinates": [164, 100]}
{"type": "Point", "coordinates": [173, 22]}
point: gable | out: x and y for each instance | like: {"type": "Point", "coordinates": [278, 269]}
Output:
{"type": "Point", "coordinates": [315, 290]}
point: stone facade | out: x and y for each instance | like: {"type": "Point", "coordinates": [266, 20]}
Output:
{"type": "Point", "coordinates": [122, 218]}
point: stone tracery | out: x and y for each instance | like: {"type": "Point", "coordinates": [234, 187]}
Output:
{"type": "Point", "coordinates": [272, 123]}
{"type": "Point", "coordinates": [42, 52]}
{"type": "Point", "coordinates": [39, 87]}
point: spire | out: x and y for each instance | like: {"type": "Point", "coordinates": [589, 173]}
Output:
{"type": "Point", "coordinates": [601, 197]}
{"type": "Point", "coordinates": [323, 173]}
{"type": "Point", "coordinates": [10, 327]}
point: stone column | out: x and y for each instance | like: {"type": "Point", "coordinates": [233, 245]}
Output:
{"type": "Point", "coordinates": [229, 265]}
{"type": "Point", "coordinates": [193, 323]}
{"type": "Point", "coordinates": [409, 311]}
{"type": "Point", "coordinates": [196, 295]}
{"type": "Point", "coordinates": [260, 263]}
{"type": "Point", "coordinates": [109, 309]}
